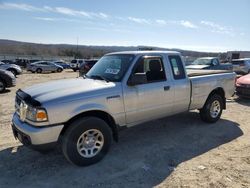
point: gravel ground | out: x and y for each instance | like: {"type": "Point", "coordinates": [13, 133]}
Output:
{"type": "Point", "coordinates": [178, 151]}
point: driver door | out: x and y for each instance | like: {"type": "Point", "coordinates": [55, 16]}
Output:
{"type": "Point", "coordinates": [152, 99]}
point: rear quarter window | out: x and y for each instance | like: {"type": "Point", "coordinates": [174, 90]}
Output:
{"type": "Point", "coordinates": [177, 67]}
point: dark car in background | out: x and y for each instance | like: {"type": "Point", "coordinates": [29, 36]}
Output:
{"type": "Point", "coordinates": [22, 62]}
{"type": "Point", "coordinates": [7, 79]}
{"type": "Point", "coordinates": [209, 63]}
{"type": "Point", "coordinates": [86, 66]}
{"type": "Point", "coordinates": [62, 63]}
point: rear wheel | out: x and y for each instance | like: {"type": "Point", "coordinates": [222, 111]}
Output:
{"type": "Point", "coordinates": [212, 109]}
{"type": "Point", "coordinates": [2, 86]}
{"type": "Point", "coordinates": [86, 141]}
{"type": "Point", "coordinates": [39, 70]}
{"type": "Point", "coordinates": [59, 70]}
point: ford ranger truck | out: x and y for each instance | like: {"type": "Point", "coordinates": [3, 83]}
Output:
{"type": "Point", "coordinates": [124, 89]}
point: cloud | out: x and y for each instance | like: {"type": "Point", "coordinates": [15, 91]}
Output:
{"type": "Point", "coordinates": [139, 20]}
{"type": "Point", "coordinates": [184, 23]}
{"type": "Point", "coordinates": [45, 19]}
{"type": "Point", "coordinates": [21, 6]}
{"type": "Point", "coordinates": [49, 19]}
{"type": "Point", "coordinates": [102, 15]}
{"type": "Point", "coordinates": [216, 28]}
{"type": "Point", "coordinates": [188, 24]}
{"type": "Point", "coordinates": [161, 22]}
{"type": "Point", "coordinates": [70, 12]}
{"type": "Point", "coordinates": [58, 10]}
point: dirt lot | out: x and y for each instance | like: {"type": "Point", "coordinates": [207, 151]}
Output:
{"type": "Point", "coordinates": [179, 151]}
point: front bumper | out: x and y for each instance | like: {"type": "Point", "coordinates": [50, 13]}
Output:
{"type": "Point", "coordinates": [243, 91]}
{"type": "Point", "coordinates": [31, 135]}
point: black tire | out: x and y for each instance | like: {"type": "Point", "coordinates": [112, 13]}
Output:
{"type": "Point", "coordinates": [13, 71]}
{"type": "Point", "coordinates": [205, 113]}
{"type": "Point", "coordinates": [59, 70]}
{"type": "Point", "coordinates": [2, 86]}
{"type": "Point", "coordinates": [74, 70]}
{"type": "Point", "coordinates": [75, 131]}
{"type": "Point", "coordinates": [39, 70]}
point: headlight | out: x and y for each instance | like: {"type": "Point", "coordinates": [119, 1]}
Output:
{"type": "Point", "coordinates": [36, 114]}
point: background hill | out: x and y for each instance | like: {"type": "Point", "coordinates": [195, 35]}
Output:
{"type": "Point", "coordinates": [82, 51]}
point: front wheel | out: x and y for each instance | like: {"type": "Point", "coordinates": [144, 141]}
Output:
{"type": "Point", "coordinates": [86, 141]}
{"type": "Point", "coordinates": [59, 70]}
{"type": "Point", "coordinates": [212, 110]}
{"type": "Point", "coordinates": [39, 70]}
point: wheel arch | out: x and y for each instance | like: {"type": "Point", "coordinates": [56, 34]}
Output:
{"type": "Point", "coordinates": [14, 70]}
{"type": "Point", "coordinates": [219, 91]}
{"type": "Point", "coordinates": [95, 113]}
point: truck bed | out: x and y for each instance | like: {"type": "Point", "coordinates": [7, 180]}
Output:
{"type": "Point", "coordinates": [194, 73]}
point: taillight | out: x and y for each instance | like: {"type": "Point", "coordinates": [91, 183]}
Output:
{"type": "Point", "coordinates": [242, 64]}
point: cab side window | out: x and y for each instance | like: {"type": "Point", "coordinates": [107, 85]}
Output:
{"type": "Point", "coordinates": [177, 67]}
{"type": "Point", "coordinates": [152, 68]}
{"type": "Point", "coordinates": [215, 62]}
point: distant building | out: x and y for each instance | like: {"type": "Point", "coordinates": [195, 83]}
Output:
{"type": "Point", "coordinates": [237, 55]}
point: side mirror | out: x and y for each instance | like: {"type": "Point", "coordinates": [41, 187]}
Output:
{"type": "Point", "coordinates": [137, 79]}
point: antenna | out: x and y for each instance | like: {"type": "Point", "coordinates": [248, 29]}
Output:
{"type": "Point", "coordinates": [77, 45]}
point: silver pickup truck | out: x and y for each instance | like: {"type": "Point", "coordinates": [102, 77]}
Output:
{"type": "Point", "coordinates": [123, 89]}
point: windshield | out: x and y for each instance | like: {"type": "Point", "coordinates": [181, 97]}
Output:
{"type": "Point", "coordinates": [202, 62]}
{"type": "Point", "coordinates": [111, 67]}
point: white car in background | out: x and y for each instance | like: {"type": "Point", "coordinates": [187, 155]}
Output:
{"type": "Point", "coordinates": [75, 64]}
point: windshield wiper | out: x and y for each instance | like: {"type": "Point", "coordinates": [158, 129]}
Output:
{"type": "Point", "coordinates": [99, 77]}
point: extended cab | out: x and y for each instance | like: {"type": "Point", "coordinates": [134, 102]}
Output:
{"type": "Point", "coordinates": [123, 89]}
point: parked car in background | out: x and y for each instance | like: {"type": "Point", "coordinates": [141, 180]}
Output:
{"type": "Point", "coordinates": [7, 79]}
{"type": "Point", "coordinates": [22, 62]}
{"type": "Point", "coordinates": [243, 86]}
{"type": "Point", "coordinates": [7, 61]}
{"type": "Point", "coordinates": [34, 60]}
{"type": "Point", "coordinates": [211, 63]}
{"type": "Point", "coordinates": [63, 64]}
{"type": "Point", "coordinates": [15, 69]}
{"type": "Point", "coordinates": [75, 64]}
{"type": "Point", "coordinates": [86, 66]}
{"type": "Point", "coordinates": [44, 66]}
{"type": "Point", "coordinates": [241, 66]}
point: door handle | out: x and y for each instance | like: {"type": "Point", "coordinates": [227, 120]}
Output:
{"type": "Point", "coordinates": [166, 88]}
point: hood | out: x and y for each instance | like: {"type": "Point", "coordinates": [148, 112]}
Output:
{"type": "Point", "coordinates": [244, 79]}
{"type": "Point", "coordinates": [7, 66]}
{"type": "Point", "coordinates": [68, 89]}
{"type": "Point", "coordinates": [197, 66]}
{"type": "Point", "coordinates": [5, 72]}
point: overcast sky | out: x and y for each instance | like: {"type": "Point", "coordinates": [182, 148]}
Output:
{"type": "Point", "coordinates": [212, 25]}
